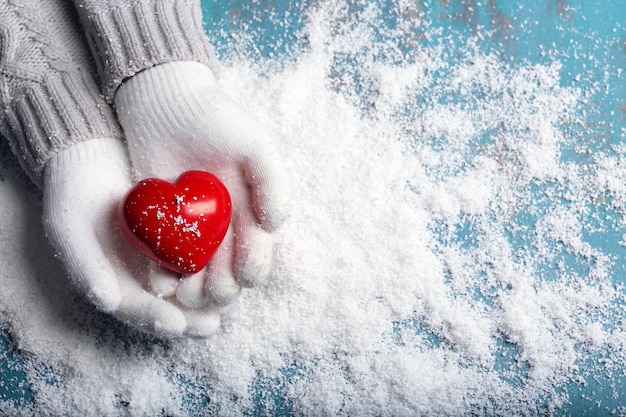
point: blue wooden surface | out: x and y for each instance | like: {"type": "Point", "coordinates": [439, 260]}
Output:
{"type": "Point", "coordinates": [588, 37]}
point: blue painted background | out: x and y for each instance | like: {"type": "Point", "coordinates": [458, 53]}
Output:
{"type": "Point", "coordinates": [588, 37]}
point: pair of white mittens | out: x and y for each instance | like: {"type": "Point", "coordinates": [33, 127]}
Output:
{"type": "Point", "coordinates": [175, 119]}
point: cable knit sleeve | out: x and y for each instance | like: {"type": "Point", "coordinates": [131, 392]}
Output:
{"type": "Point", "coordinates": [127, 37]}
{"type": "Point", "coordinates": [48, 95]}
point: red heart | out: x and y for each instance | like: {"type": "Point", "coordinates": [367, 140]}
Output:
{"type": "Point", "coordinates": [180, 225]}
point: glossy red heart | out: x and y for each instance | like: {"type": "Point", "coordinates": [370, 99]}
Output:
{"type": "Point", "coordinates": [180, 225]}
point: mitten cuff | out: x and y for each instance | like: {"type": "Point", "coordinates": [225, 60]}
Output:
{"type": "Point", "coordinates": [162, 83]}
{"type": "Point", "coordinates": [128, 37]}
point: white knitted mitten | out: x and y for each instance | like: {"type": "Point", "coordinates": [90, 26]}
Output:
{"type": "Point", "coordinates": [176, 119]}
{"type": "Point", "coordinates": [83, 185]}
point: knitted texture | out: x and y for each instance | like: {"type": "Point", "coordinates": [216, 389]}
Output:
{"type": "Point", "coordinates": [128, 37]}
{"type": "Point", "coordinates": [83, 186]}
{"type": "Point", "coordinates": [48, 95]}
{"type": "Point", "coordinates": [175, 118]}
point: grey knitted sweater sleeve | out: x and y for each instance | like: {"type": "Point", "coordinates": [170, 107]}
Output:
{"type": "Point", "coordinates": [48, 77]}
{"type": "Point", "coordinates": [129, 36]}
{"type": "Point", "coordinates": [48, 95]}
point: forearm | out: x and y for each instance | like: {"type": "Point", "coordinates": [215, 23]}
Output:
{"type": "Point", "coordinates": [128, 37]}
{"type": "Point", "coordinates": [49, 99]}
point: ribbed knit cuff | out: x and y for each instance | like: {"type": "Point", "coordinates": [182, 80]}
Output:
{"type": "Point", "coordinates": [53, 113]}
{"type": "Point", "coordinates": [164, 83]}
{"type": "Point", "coordinates": [128, 37]}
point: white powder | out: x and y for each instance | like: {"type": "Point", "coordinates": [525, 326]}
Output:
{"type": "Point", "coordinates": [439, 258]}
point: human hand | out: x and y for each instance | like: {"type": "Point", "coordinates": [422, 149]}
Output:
{"type": "Point", "coordinates": [83, 186]}
{"type": "Point", "coordinates": [176, 119]}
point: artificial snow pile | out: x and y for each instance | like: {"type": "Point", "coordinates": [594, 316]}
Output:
{"type": "Point", "coordinates": [439, 257]}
